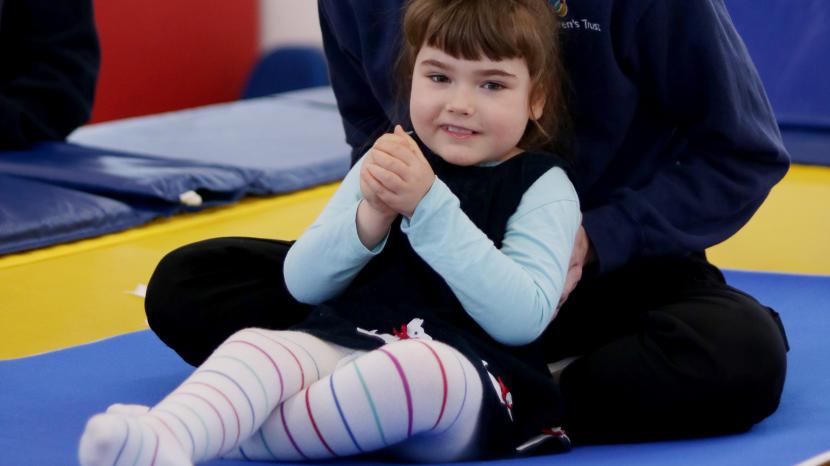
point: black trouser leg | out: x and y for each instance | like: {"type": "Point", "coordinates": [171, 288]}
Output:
{"type": "Point", "coordinates": [668, 351]}
{"type": "Point", "coordinates": [202, 293]}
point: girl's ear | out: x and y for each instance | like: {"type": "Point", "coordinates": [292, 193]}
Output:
{"type": "Point", "coordinates": [537, 103]}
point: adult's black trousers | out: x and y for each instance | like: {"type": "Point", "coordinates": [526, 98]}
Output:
{"type": "Point", "coordinates": [665, 348]}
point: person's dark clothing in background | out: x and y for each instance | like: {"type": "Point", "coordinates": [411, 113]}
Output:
{"type": "Point", "coordinates": [49, 60]}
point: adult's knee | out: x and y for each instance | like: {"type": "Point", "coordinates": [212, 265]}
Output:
{"type": "Point", "coordinates": [164, 285]}
{"type": "Point", "coordinates": [755, 357]}
{"type": "Point", "coordinates": [172, 303]}
{"type": "Point", "coordinates": [739, 362]}
{"type": "Point", "coordinates": [203, 292]}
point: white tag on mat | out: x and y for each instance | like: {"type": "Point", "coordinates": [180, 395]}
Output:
{"type": "Point", "coordinates": [140, 290]}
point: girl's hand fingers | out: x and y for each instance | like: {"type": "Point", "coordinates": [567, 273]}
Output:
{"type": "Point", "coordinates": [380, 193]}
{"type": "Point", "coordinates": [397, 148]}
{"type": "Point", "coordinates": [390, 180]}
{"type": "Point", "coordinates": [374, 192]}
{"type": "Point", "coordinates": [372, 185]}
{"type": "Point", "coordinates": [399, 131]}
{"type": "Point", "coordinates": [389, 162]}
{"type": "Point", "coordinates": [390, 138]}
{"type": "Point", "coordinates": [416, 157]}
{"type": "Point", "coordinates": [409, 140]}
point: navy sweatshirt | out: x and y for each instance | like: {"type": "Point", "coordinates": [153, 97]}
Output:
{"type": "Point", "coordinates": [49, 60]}
{"type": "Point", "coordinates": [676, 143]}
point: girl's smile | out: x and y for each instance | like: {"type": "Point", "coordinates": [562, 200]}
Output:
{"type": "Point", "coordinates": [459, 132]}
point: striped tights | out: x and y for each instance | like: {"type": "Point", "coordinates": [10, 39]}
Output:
{"type": "Point", "coordinates": [289, 396]}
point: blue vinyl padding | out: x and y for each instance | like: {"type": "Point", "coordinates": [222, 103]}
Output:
{"type": "Point", "coordinates": [121, 175]}
{"type": "Point", "coordinates": [223, 152]}
{"type": "Point", "coordinates": [59, 192]}
{"type": "Point", "coordinates": [35, 214]}
{"type": "Point", "coordinates": [45, 400]}
{"type": "Point", "coordinates": [291, 144]}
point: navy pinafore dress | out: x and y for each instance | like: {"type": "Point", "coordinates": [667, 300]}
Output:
{"type": "Point", "coordinates": [397, 286]}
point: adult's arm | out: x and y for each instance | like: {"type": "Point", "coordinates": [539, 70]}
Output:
{"type": "Point", "coordinates": [50, 58]}
{"type": "Point", "coordinates": [349, 37]}
{"type": "Point", "coordinates": [690, 64]}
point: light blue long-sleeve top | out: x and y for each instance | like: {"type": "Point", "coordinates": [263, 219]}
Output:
{"type": "Point", "coordinates": [512, 292]}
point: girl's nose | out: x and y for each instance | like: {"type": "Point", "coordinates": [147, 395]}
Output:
{"type": "Point", "coordinates": [461, 103]}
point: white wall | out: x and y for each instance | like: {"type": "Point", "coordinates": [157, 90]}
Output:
{"type": "Point", "coordinates": [285, 22]}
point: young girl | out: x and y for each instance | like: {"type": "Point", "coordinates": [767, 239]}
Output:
{"type": "Point", "coordinates": [437, 263]}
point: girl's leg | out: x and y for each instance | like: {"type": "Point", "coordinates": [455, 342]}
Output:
{"type": "Point", "coordinates": [221, 404]}
{"type": "Point", "coordinates": [423, 392]}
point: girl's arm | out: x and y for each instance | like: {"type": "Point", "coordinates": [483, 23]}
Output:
{"type": "Point", "coordinates": [330, 253]}
{"type": "Point", "coordinates": [512, 292]}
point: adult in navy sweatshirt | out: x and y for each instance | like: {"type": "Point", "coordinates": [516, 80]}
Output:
{"type": "Point", "coordinates": [676, 146]}
{"type": "Point", "coordinates": [50, 58]}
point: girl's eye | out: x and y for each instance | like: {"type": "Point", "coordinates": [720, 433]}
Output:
{"type": "Point", "coordinates": [492, 86]}
{"type": "Point", "coordinates": [438, 78]}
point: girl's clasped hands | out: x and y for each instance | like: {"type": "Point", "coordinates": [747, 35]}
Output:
{"type": "Point", "coordinates": [395, 176]}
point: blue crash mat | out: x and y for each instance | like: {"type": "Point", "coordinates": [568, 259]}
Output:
{"type": "Point", "coordinates": [45, 400]}
{"type": "Point", "coordinates": [34, 214]}
{"type": "Point", "coordinates": [290, 142]}
{"type": "Point", "coordinates": [211, 155]}
{"type": "Point", "coordinates": [121, 175]}
{"type": "Point", "coordinates": [60, 192]}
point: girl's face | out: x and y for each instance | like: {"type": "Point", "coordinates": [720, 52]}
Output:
{"type": "Point", "coordinates": [470, 111]}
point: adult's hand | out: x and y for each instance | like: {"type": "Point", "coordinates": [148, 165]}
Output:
{"type": "Point", "coordinates": [582, 255]}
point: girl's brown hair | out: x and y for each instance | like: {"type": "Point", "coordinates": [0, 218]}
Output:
{"type": "Point", "coordinates": [496, 29]}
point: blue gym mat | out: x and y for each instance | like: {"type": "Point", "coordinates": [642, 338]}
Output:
{"type": "Point", "coordinates": [45, 400]}
{"type": "Point", "coordinates": [290, 142]}
{"type": "Point", "coordinates": [123, 175]}
{"type": "Point", "coordinates": [58, 192]}
{"type": "Point", "coordinates": [35, 214]}
{"type": "Point", "coordinates": [217, 154]}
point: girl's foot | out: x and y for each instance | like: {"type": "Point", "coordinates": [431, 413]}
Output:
{"type": "Point", "coordinates": [128, 410]}
{"type": "Point", "coordinates": [110, 438]}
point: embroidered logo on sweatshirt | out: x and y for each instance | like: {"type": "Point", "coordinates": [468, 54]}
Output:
{"type": "Point", "coordinates": [561, 7]}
